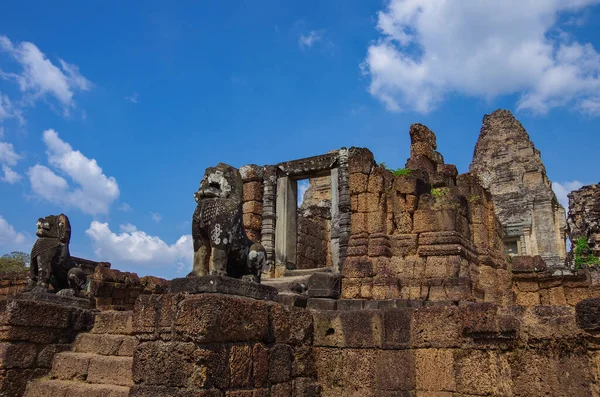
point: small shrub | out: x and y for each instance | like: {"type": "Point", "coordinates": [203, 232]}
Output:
{"type": "Point", "coordinates": [439, 191]}
{"type": "Point", "coordinates": [583, 255]}
{"type": "Point", "coordinates": [397, 171]}
{"type": "Point", "coordinates": [401, 171]}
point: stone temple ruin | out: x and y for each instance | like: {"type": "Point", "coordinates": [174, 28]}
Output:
{"type": "Point", "coordinates": [510, 167]}
{"type": "Point", "coordinates": [413, 282]}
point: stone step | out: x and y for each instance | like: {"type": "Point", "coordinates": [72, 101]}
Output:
{"type": "Point", "coordinates": [93, 368]}
{"type": "Point", "coordinates": [64, 388]}
{"type": "Point", "coordinates": [113, 322]}
{"type": "Point", "coordinates": [304, 272]}
{"type": "Point", "coordinates": [287, 284]}
{"type": "Point", "coordinates": [105, 344]}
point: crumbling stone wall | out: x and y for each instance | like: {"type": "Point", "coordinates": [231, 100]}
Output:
{"type": "Point", "coordinates": [215, 345]}
{"type": "Point", "coordinates": [314, 225]}
{"type": "Point", "coordinates": [508, 164]}
{"type": "Point", "coordinates": [426, 233]}
{"type": "Point", "coordinates": [584, 216]}
{"type": "Point", "coordinates": [11, 284]}
{"type": "Point", "coordinates": [112, 289]}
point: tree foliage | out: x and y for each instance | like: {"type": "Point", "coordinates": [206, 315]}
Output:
{"type": "Point", "coordinates": [14, 262]}
{"type": "Point", "coordinates": [583, 254]}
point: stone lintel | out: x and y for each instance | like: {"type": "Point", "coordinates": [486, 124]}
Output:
{"type": "Point", "coordinates": [223, 285]}
{"type": "Point", "coordinates": [310, 166]}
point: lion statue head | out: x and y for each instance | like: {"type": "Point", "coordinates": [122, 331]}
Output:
{"type": "Point", "coordinates": [54, 226]}
{"type": "Point", "coordinates": [222, 181]}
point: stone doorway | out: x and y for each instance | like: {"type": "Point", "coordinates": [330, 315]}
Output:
{"type": "Point", "coordinates": [330, 172]}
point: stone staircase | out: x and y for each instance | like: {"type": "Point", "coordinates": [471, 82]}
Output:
{"type": "Point", "coordinates": [99, 364]}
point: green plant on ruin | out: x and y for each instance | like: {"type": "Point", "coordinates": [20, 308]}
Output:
{"type": "Point", "coordinates": [583, 256]}
{"type": "Point", "coordinates": [439, 191]}
{"type": "Point", "coordinates": [397, 171]}
{"type": "Point", "coordinates": [473, 198]}
{"type": "Point", "coordinates": [401, 171]}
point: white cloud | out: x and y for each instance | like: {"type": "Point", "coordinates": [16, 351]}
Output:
{"type": "Point", "coordinates": [95, 191]}
{"type": "Point", "coordinates": [124, 207]}
{"type": "Point", "coordinates": [309, 40]}
{"type": "Point", "coordinates": [8, 155]}
{"type": "Point", "coordinates": [39, 77]}
{"type": "Point", "coordinates": [128, 228]}
{"type": "Point", "coordinates": [8, 235]}
{"type": "Point", "coordinates": [7, 109]}
{"type": "Point", "coordinates": [430, 49]}
{"type": "Point", "coordinates": [10, 175]}
{"type": "Point", "coordinates": [133, 98]}
{"type": "Point", "coordinates": [138, 248]}
{"type": "Point", "coordinates": [563, 189]}
{"type": "Point", "coordinates": [156, 217]}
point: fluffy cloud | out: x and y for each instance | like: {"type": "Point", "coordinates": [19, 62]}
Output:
{"type": "Point", "coordinates": [563, 189]}
{"type": "Point", "coordinates": [8, 235]}
{"type": "Point", "coordinates": [10, 175]}
{"type": "Point", "coordinates": [95, 191]}
{"type": "Point", "coordinates": [430, 49]}
{"type": "Point", "coordinates": [8, 157]}
{"type": "Point", "coordinates": [39, 77]}
{"type": "Point", "coordinates": [309, 40]}
{"type": "Point", "coordinates": [136, 247]}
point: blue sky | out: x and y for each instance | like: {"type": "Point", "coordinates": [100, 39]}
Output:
{"type": "Point", "coordinates": [111, 112]}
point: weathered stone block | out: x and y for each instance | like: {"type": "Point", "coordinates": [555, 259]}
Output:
{"type": "Point", "coordinates": [588, 314]}
{"type": "Point", "coordinates": [324, 285]}
{"type": "Point", "coordinates": [240, 366]}
{"type": "Point", "coordinates": [17, 355]}
{"type": "Point", "coordinates": [292, 325]}
{"type": "Point", "coordinates": [207, 318]}
{"type": "Point", "coordinates": [358, 267]}
{"type": "Point", "coordinates": [321, 304]}
{"type": "Point", "coordinates": [435, 370]}
{"type": "Point", "coordinates": [252, 207]}
{"type": "Point", "coordinates": [253, 191]}
{"type": "Point", "coordinates": [433, 221]}
{"type": "Point", "coordinates": [395, 370]}
{"type": "Point", "coordinates": [524, 264]}
{"type": "Point", "coordinates": [260, 365]}
{"type": "Point", "coordinates": [280, 363]}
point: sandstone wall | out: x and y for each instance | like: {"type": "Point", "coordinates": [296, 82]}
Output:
{"type": "Point", "coordinates": [111, 289]}
{"type": "Point", "coordinates": [584, 216]}
{"type": "Point", "coordinates": [470, 350]}
{"type": "Point", "coordinates": [423, 234]}
{"type": "Point", "coordinates": [215, 345]}
{"type": "Point", "coordinates": [314, 225]}
{"type": "Point", "coordinates": [11, 284]}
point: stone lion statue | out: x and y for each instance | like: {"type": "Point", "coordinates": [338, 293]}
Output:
{"type": "Point", "coordinates": [221, 246]}
{"type": "Point", "coordinates": [50, 258]}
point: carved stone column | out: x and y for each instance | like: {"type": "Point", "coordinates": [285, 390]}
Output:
{"type": "Point", "coordinates": [344, 205]}
{"type": "Point", "coordinates": [268, 218]}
